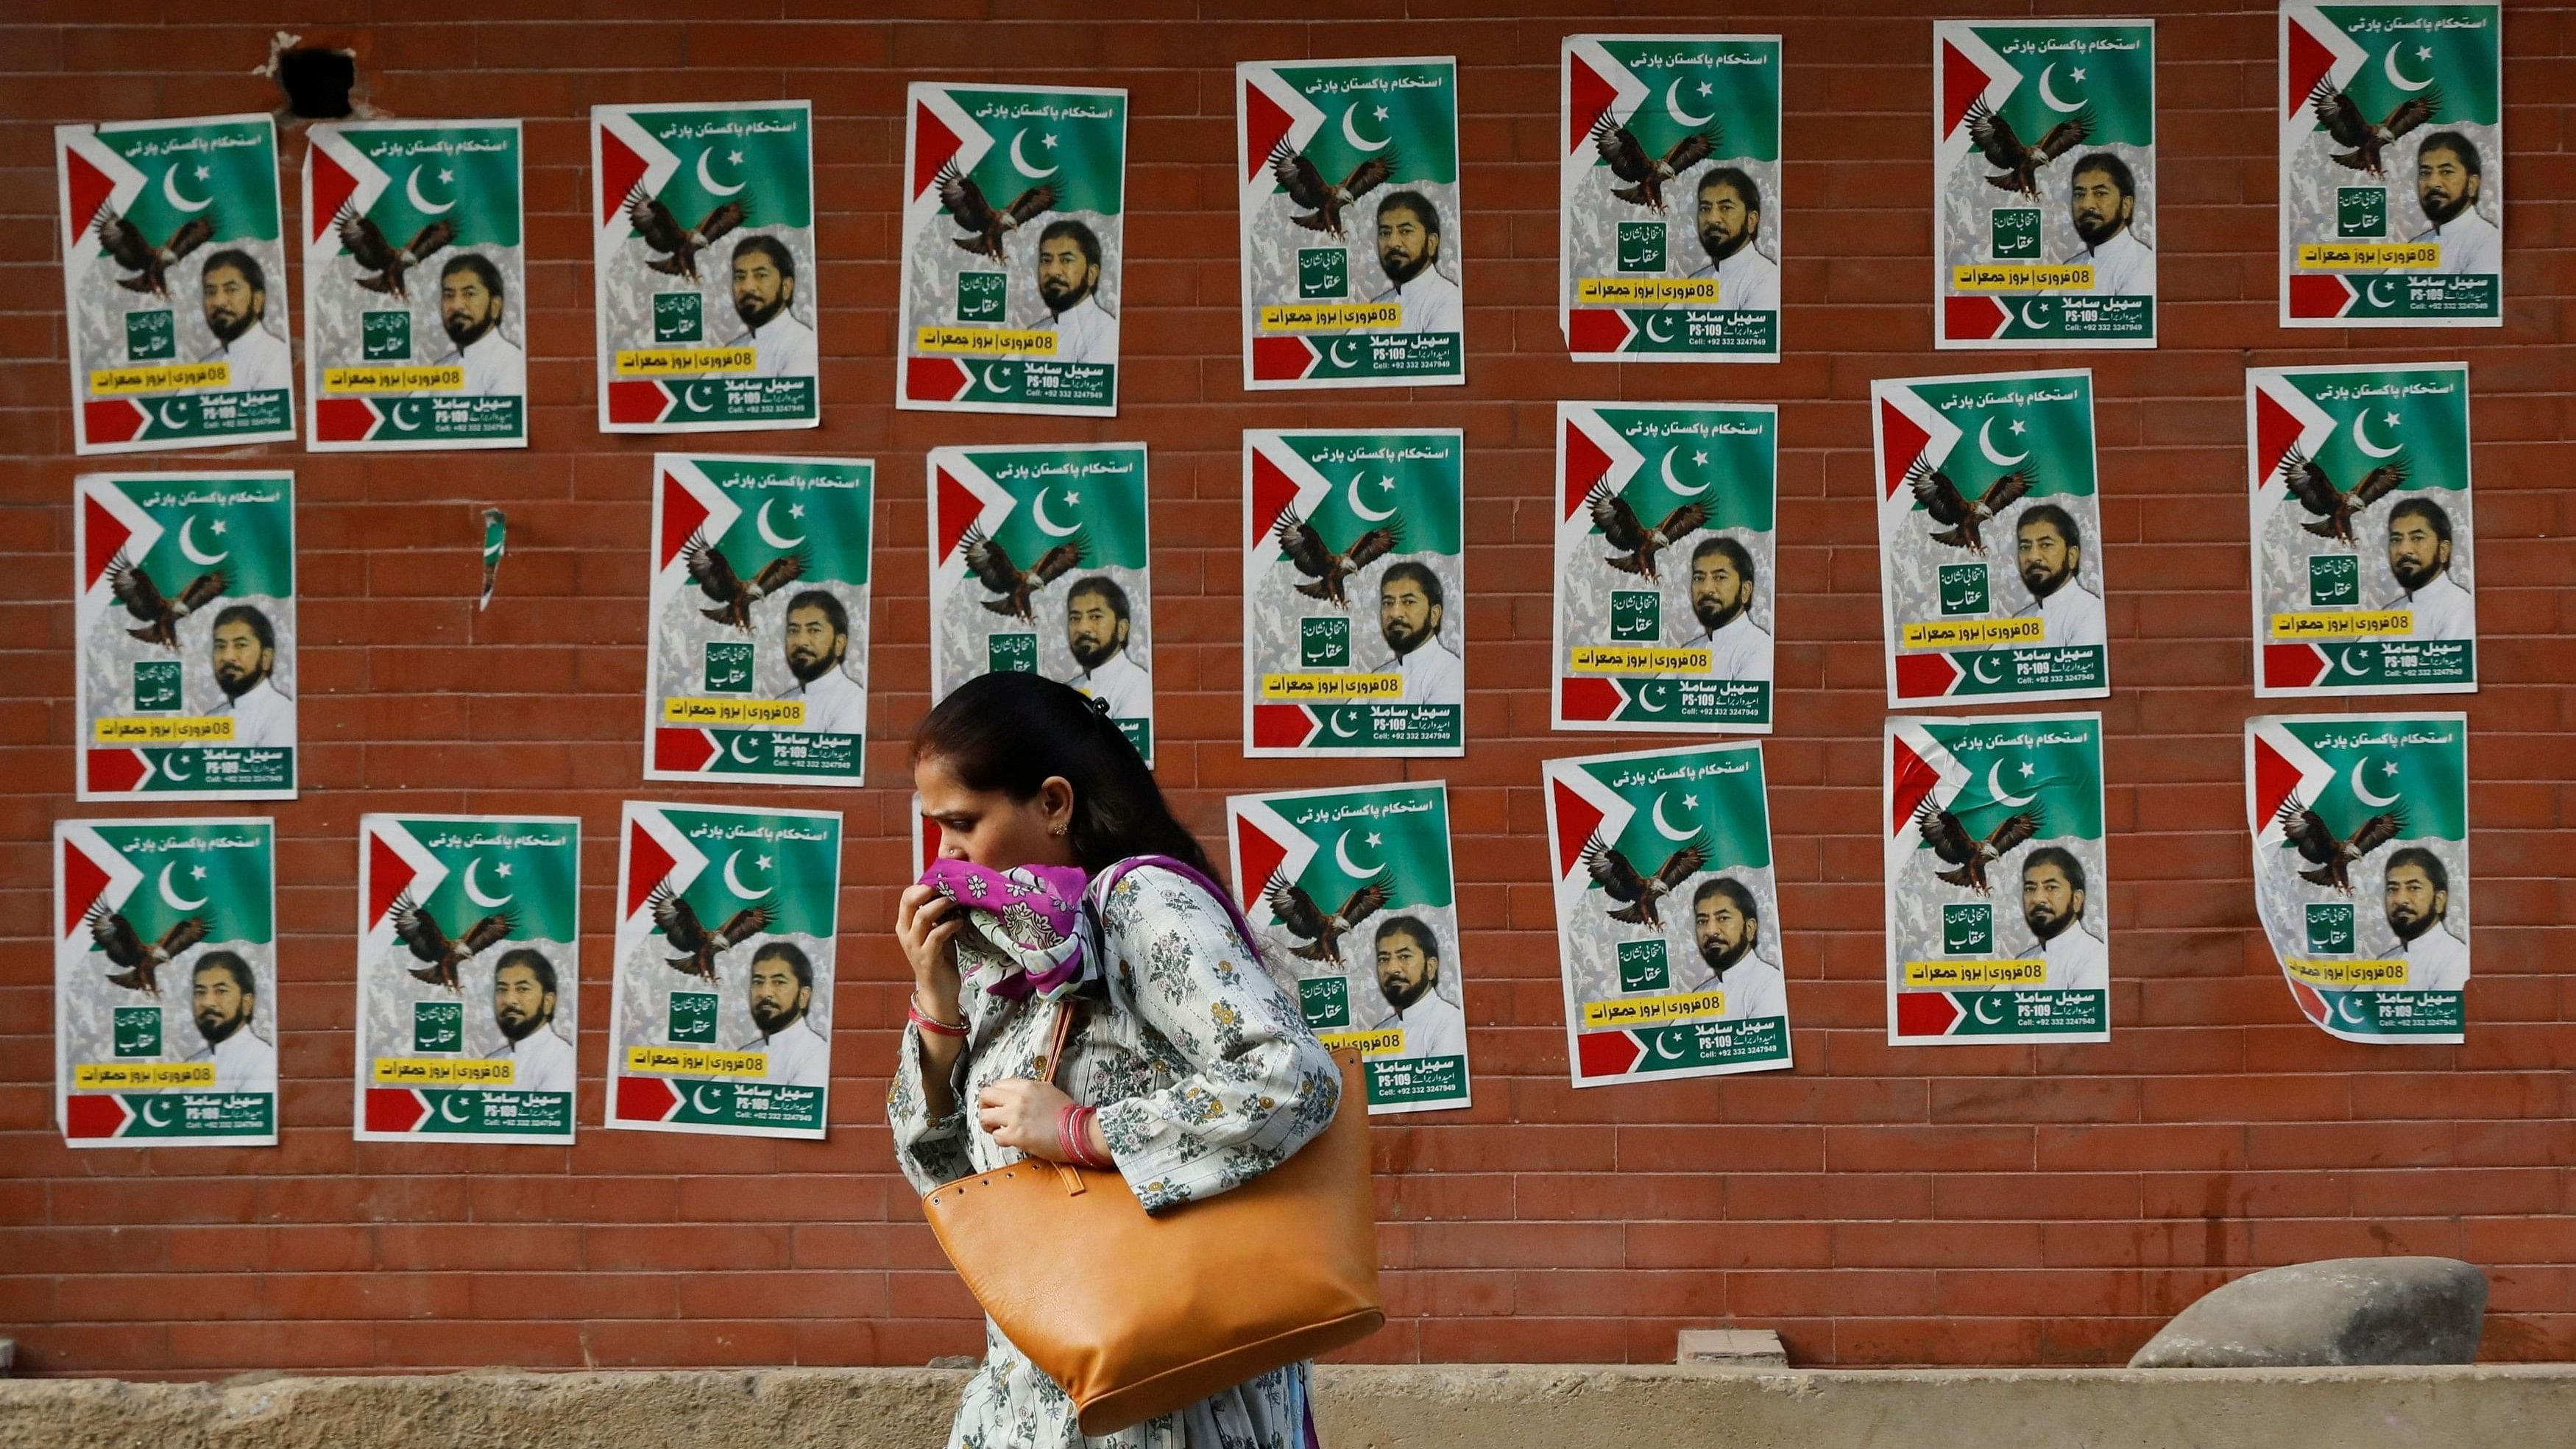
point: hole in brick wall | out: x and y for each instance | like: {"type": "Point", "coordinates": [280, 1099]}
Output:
{"type": "Point", "coordinates": [317, 82]}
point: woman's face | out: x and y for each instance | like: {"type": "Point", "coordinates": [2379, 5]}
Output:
{"type": "Point", "coordinates": [990, 828]}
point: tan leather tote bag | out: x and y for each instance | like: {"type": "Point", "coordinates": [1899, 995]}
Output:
{"type": "Point", "coordinates": [1135, 1316]}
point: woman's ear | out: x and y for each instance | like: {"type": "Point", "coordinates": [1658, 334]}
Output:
{"type": "Point", "coordinates": [1055, 801]}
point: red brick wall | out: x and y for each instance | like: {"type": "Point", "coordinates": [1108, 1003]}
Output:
{"type": "Point", "coordinates": [2005, 1205]}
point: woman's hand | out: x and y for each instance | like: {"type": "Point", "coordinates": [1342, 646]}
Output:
{"type": "Point", "coordinates": [1022, 1114]}
{"type": "Point", "coordinates": [926, 924]}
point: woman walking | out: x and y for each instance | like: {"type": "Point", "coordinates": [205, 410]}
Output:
{"type": "Point", "coordinates": [1191, 1070]}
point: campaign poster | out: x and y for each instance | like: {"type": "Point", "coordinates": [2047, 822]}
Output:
{"type": "Point", "coordinates": [1353, 266]}
{"type": "Point", "coordinates": [1666, 600]}
{"type": "Point", "coordinates": [1039, 564]}
{"type": "Point", "coordinates": [2044, 184]}
{"type": "Point", "coordinates": [165, 983]}
{"type": "Point", "coordinates": [1014, 249]}
{"type": "Point", "coordinates": [415, 286]}
{"type": "Point", "coordinates": [721, 1008]}
{"type": "Point", "coordinates": [2392, 164]}
{"type": "Point", "coordinates": [702, 267]}
{"type": "Point", "coordinates": [2365, 578]}
{"type": "Point", "coordinates": [1354, 593]}
{"type": "Point", "coordinates": [757, 669]}
{"type": "Point", "coordinates": [2361, 868]}
{"type": "Point", "coordinates": [1355, 908]}
{"type": "Point", "coordinates": [1669, 209]}
{"type": "Point", "coordinates": [469, 978]}
{"type": "Point", "coordinates": [1668, 928]}
{"type": "Point", "coordinates": [1989, 555]}
{"type": "Point", "coordinates": [174, 279]}
{"type": "Point", "coordinates": [1998, 892]}
{"type": "Point", "coordinates": [184, 612]}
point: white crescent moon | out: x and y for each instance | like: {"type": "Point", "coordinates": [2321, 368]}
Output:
{"type": "Point", "coordinates": [1673, 103]}
{"type": "Point", "coordinates": [2344, 1011]}
{"type": "Point", "coordinates": [698, 1099]}
{"type": "Point", "coordinates": [1662, 1048]}
{"type": "Point", "coordinates": [1046, 525]}
{"type": "Point", "coordinates": [1995, 787]}
{"type": "Point", "coordinates": [148, 1119]}
{"type": "Point", "coordinates": [170, 893]}
{"type": "Point", "coordinates": [1982, 1019]}
{"type": "Point", "coordinates": [2361, 436]}
{"type": "Point", "coordinates": [1362, 509]}
{"type": "Point", "coordinates": [1020, 159]}
{"type": "Point", "coordinates": [2362, 792]}
{"type": "Point", "coordinates": [1664, 827]}
{"type": "Point", "coordinates": [689, 400]}
{"type": "Point", "coordinates": [474, 891]}
{"type": "Point", "coordinates": [2027, 320]}
{"type": "Point", "coordinates": [1674, 483]}
{"type": "Point", "coordinates": [735, 750]}
{"type": "Point", "coordinates": [706, 178]}
{"type": "Point", "coordinates": [770, 535]}
{"type": "Point", "coordinates": [2377, 300]}
{"type": "Point", "coordinates": [734, 883]}
{"type": "Point", "coordinates": [1979, 669]}
{"type": "Point", "coordinates": [1351, 130]}
{"type": "Point", "coordinates": [1336, 722]}
{"type": "Point", "coordinates": [1645, 692]}
{"type": "Point", "coordinates": [188, 545]}
{"type": "Point", "coordinates": [163, 412]}
{"type": "Point", "coordinates": [170, 191]}
{"type": "Point", "coordinates": [446, 1116]}
{"type": "Point", "coordinates": [2396, 78]}
{"type": "Point", "coordinates": [2050, 96]}
{"type": "Point", "coordinates": [1338, 359]}
{"type": "Point", "coordinates": [401, 417]}
{"type": "Point", "coordinates": [987, 375]}
{"type": "Point", "coordinates": [1342, 858]}
{"type": "Point", "coordinates": [170, 768]}
{"type": "Point", "coordinates": [420, 203]}
{"type": "Point", "coordinates": [1654, 336]}
{"type": "Point", "coordinates": [1986, 445]}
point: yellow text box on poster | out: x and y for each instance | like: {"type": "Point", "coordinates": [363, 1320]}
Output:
{"type": "Point", "coordinates": [2022, 277]}
{"type": "Point", "coordinates": [2347, 973]}
{"type": "Point", "coordinates": [984, 342]}
{"type": "Point", "coordinates": [2361, 624]}
{"type": "Point", "coordinates": [212, 729]}
{"type": "Point", "coordinates": [1385, 1043]}
{"type": "Point", "coordinates": [432, 378]}
{"type": "Point", "coordinates": [164, 377]}
{"type": "Point", "coordinates": [2029, 971]}
{"type": "Point", "coordinates": [1653, 1010]}
{"type": "Point", "coordinates": [1330, 316]}
{"type": "Point", "coordinates": [1332, 686]}
{"type": "Point", "coordinates": [684, 361]}
{"type": "Point", "coordinates": [1646, 291]}
{"type": "Point", "coordinates": [442, 1072]}
{"type": "Point", "coordinates": [1635, 659]}
{"type": "Point", "coordinates": [1973, 633]}
{"type": "Point", "coordinates": [143, 1075]}
{"type": "Point", "coordinates": [696, 1062]}
{"type": "Point", "coordinates": [2370, 256]}
{"type": "Point", "coordinates": [761, 713]}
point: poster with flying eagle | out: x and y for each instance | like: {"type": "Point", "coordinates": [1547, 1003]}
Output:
{"type": "Point", "coordinates": [2392, 164]}
{"type": "Point", "coordinates": [1669, 210]}
{"type": "Point", "coordinates": [1039, 564]}
{"type": "Point", "coordinates": [1353, 267]}
{"type": "Point", "coordinates": [165, 983]}
{"type": "Point", "coordinates": [1352, 900]}
{"type": "Point", "coordinates": [415, 286]}
{"type": "Point", "coordinates": [2339, 804]}
{"type": "Point", "coordinates": [2333, 612]}
{"type": "Point", "coordinates": [1014, 249]}
{"type": "Point", "coordinates": [2044, 184]}
{"type": "Point", "coordinates": [1979, 806]}
{"type": "Point", "coordinates": [757, 664]}
{"type": "Point", "coordinates": [174, 278]}
{"type": "Point", "coordinates": [1961, 625]}
{"type": "Point", "coordinates": [1354, 592]}
{"type": "Point", "coordinates": [720, 1015]}
{"type": "Point", "coordinates": [184, 677]}
{"type": "Point", "coordinates": [702, 267]}
{"type": "Point", "coordinates": [1668, 929]}
{"type": "Point", "coordinates": [469, 977]}
{"type": "Point", "coordinates": [1665, 625]}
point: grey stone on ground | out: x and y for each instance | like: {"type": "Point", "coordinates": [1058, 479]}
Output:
{"type": "Point", "coordinates": [2337, 1312]}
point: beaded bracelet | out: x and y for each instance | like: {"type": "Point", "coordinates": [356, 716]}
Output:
{"type": "Point", "coordinates": [934, 1025]}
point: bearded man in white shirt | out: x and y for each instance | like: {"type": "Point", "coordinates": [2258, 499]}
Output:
{"type": "Point", "coordinates": [1408, 976]}
{"type": "Point", "coordinates": [523, 1007]}
{"type": "Point", "coordinates": [1096, 625]}
{"type": "Point", "coordinates": [1410, 603]}
{"type": "Point", "coordinates": [2416, 891]}
{"type": "Point", "coordinates": [224, 999]}
{"type": "Point", "coordinates": [1726, 923]}
{"type": "Point", "coordinates": [1730, 225]}
{"type": "Point", "coordinates": [2050, 551]}
{"type": "Point", "coordinates": [2447, 175]}
{"type": "Point", "coordinates": [817, 642]}
{"type": "Point", "coordinates": [2052, 905]}
{"type": "Point", "coordinates": [244, 645]}
{"type": "Point", "coordinates": [2103, 206]}
{"type": "Point", "coordinates": [782, 989]}
{"type": "Point", "coordinates": [2419, 558]}
{"type": "Point", "coordinates": [1408, 251]}
{"type": "Point", "coordinates": [764, 297]}
{"type": "Point", "coordinates": [235, 292]}
{"type": "Point", "coordinates": [1721, 599]}
{"type": "Point", "coordinates": [471, 300]}
{"type": "Point", "coordinates": [1069, 284]}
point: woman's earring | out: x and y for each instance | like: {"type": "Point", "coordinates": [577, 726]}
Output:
{"type": "Point", "coordinates": [1059, 830]}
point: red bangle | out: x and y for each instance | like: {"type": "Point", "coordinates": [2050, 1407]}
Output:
{"type": "Point", "coordinates": [1073, 1135]}
{"type": "Point", "coordinates": [932, 1024]}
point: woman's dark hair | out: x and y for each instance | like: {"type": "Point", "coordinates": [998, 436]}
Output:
{"type": "Point", "coordinates": [1010, 732]}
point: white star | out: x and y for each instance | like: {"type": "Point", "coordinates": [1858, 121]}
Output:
{"type": "Point", "coordinates": [1699, 460]}
{"type": "Point", "coordinates": [1073, 499]}
{"type": "Point", "coordinates": [219, 527]}
{"type": "Point", "coordinates": [2076, 74]}
{"type": "Point", "coordinates": [796, 510]}
{"type": "Point", "coordinates": [761, 860]}
{"type": "Point", "coordinates": [1376, 840]}
{"type": "Point", "coordinates": [445, 175]}
{"type": "Point", "coordinates": [502, 870]}
{"type": "Point", "coordinates": [2387, 768]}
{"type": "Point", "coordinates": [734, 156]}
{"type": "Point", "coordinates": [202, 173]}
{"type": "Point", "coordinates": [1047, 140]}
{"type": "Point", "coordinates": [1381, 113]}
{"type": "Point", "coordinates": [2025, 769]}
{"type": "Point", "coordinates": [2423, 52]}
{"type": "Point", "coordinates": [2019, 427]}
{"type": "Point", "coordinates": [1690, 802]}
{"type": "Point", "coordinates": [2391, 417]}
{"type": "Point", "coordinates": [198, 872]}
{"type": "Point", "coordinates": [1704, 88]}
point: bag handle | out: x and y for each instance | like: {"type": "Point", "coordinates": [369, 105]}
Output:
{"type": "Point", "coordinates": [1050, 1067]}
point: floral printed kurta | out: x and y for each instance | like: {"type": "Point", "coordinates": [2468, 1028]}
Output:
{"type": "Point", "coordinates": [1205, 1076]}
